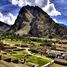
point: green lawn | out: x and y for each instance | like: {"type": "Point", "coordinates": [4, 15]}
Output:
{"type": "Point", "coordinates": [33, 59]}
{"type": "Point", "coordinates": [19, 54]}
{"type": "Point", "coordinates": [38, 60]}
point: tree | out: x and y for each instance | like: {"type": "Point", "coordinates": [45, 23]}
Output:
{"type": "Point", "coordinates": [50, 37]}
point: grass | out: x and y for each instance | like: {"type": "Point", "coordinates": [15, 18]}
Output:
{"type": "Point", "coordinates": [12, 42]}
{"type": "Point", "coordinates": [33, 59]}
{"type": "Point", "coordinates": [24, 41]}
{"type": "Point", "coordinates": [19, 54]}
{"type": "Point", "coordinates": [38, 60]}
{"type": "Point", "coordinates": [36, 43]}
{"type": "Point", "coordinates": [9, 39]}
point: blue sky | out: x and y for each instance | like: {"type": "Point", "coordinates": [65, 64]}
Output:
{"type": "Point", "coordinates": [57, 9]}
{"type": "Point", "coordinates": [61, 5]}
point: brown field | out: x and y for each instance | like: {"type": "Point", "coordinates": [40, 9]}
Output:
{"type": "Point", "coordinates": [57, 65]}
{"type": "Point", "coordinates": [6, 64]}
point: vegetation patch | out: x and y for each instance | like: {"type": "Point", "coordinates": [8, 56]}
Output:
{"type": "Point", "coordinates": [36, 59]}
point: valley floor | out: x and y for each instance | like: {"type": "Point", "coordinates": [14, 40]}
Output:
{"type": "Point", "coordinates": [38, 51]}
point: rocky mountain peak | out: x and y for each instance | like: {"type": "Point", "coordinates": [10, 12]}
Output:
{"type": "Point", "coordinates": [32, 20]}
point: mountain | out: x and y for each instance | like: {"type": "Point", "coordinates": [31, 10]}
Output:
{"type": "Point", "coordinates": [4, 27]}
{"type": "Point", "coordinates": [33, 21]}
{"type": "Point", "coordinates": [63, 26]}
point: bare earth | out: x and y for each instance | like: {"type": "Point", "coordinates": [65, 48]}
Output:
{"type": "Point", "coordinates": [57, 65]}
{"type": "Point", "coordinates": [6, 64]}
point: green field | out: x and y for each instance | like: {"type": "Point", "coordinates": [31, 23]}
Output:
{"type": "Point", "coordinates": [19, 55]}
{"type": "Point", "coordinates": [36, 59]}
{"type": "Point", "coordinates": [16, 39]}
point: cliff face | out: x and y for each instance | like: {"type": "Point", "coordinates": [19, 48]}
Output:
{"type": "Point", "coordinates": [34, 21]}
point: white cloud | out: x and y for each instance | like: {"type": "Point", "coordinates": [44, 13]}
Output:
{"type": "Point", "coordinates": [9, 18]}
{"type": "Point", "coordinates": [20, 3]}
{"type": "Point", "coordinates": [51, 10]}
{"type": "Point", "coordinates": [60, 22]}
{"type": "Point", "coordinates": [46, 5]}
{"type": "Point", "coordinates": [55, 20]}
{"type": "Point", "coordinates": [1, 17]}
{"type": "Point", "coordinates": [14, 2]}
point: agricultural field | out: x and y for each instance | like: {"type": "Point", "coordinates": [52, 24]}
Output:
{"type": "Point", "coordinates": [57, 65]}
{"type": "Point", "coordinates": [34, 48]}
{"type": "Point", "coordinates": [36, 59]}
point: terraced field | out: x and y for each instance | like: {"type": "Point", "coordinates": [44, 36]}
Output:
{"type": "Point", "coordinates": [6, 64]}
{"type": "Point", "coordinates": [57, 65]}
{"type": "Point", "coordinates": [23, 55]}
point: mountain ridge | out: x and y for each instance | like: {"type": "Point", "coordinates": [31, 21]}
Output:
{"type": "Point", "coordinates": [34, 21]}
{"type": "Point", "coordinates": [63, 25]}
{"type": "Point", "coordinates": [4, 27]}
